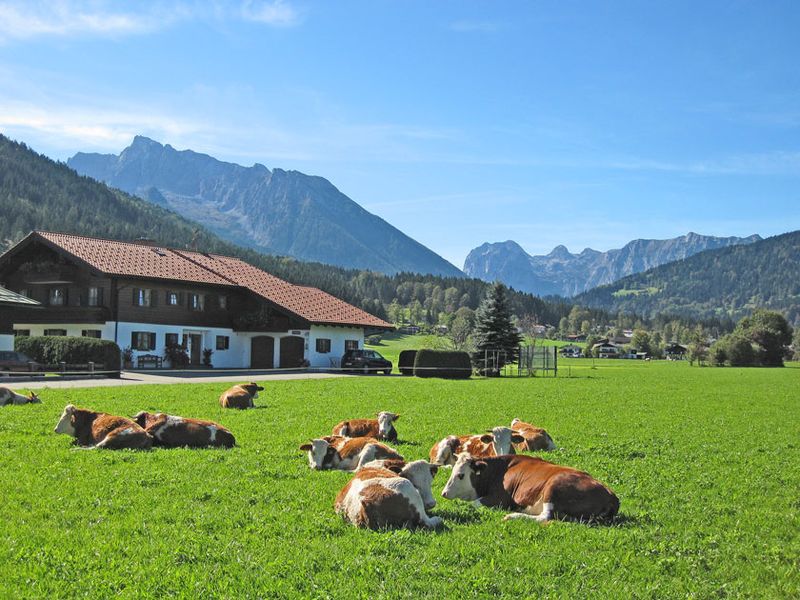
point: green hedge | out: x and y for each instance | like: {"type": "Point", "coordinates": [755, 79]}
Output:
{"type": "Point", "coordinates": [406, 362]}
{"type": "Point", "coordinates": [441, 363]}
{"type": "Point", "coordinates": [51, 350]}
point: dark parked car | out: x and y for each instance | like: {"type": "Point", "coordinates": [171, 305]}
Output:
{"type": "Point", "coordinates": [16, 361]}
{"type": "Point", "coordinates": [367, 361]}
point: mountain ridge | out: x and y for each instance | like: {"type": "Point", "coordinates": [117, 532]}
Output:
{"type": "Point", "coordinates": [270, 210]}
{"type": "Point", "coordinates": [566, 274]}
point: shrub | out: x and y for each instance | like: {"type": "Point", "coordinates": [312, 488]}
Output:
{"type": "Point", "coordinates": [441, 363]}
{"type": "Point", "coordinates": [51, 350]}
{"type": "Point", "coordinates": [406, 362]}
{"type": "Point", "coordinates": [177, 356]}
{"type": "Point", "coordinates": [374, 340]}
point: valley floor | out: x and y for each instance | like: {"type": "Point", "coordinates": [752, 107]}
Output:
{"type": "Point", "coordinates": [705, 461]}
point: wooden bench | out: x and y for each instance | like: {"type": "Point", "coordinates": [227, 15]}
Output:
{"type": "Point", "coordinates": [152, 360]}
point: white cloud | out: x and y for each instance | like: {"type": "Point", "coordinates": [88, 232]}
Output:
{"type": "Point", "coordinates": [276, 12]}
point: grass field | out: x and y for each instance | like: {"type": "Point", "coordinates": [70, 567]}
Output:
{"type": "Point", "coordinates": [706, 463]}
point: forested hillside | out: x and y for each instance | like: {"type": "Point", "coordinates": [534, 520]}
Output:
{"type": "Point", "coordinates": [729, 282]}
{"type": "Point", "coordinates": [38, 193]}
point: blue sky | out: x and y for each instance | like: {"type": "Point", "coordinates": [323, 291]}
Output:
{"type": "Point", "coordinates": [459, 122]}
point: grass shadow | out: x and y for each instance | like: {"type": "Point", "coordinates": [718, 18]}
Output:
{"type": "Point", "coordinates": [456, 516]}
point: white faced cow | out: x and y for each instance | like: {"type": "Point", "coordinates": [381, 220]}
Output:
{"type": "Point", "coordinates": [495, 442]}
{"type": "Point", "coordinates": [536, 438]}
{"type": "Point", "coordinates": [8, 396]}
{"type": "Point", "coordinates": [346, 454]}
{"type": "Point", "coordinates": [101, 430]}
{"type": "Point", "coordinates": [378, 498]}
{"type": "Point", "coordinates": [170, 431]}
{"type": "Point", "coordinates": [532, 487]}
{"type": "Point", "coordinates": [381, 428]}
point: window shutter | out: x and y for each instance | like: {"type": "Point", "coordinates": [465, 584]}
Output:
{"type": "Point", "coordinates": [133, 340]}
{"type": "Point", "coordinates": [135, 297]}
{"type": "Point", "coordinates": [152, 341]}
{"type": "Point", "coordinates": [153, 297]}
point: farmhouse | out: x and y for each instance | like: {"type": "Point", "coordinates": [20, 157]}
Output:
{"type": "Point", "coordinates": [147, 297]}
{"type": "Point", "coordinates": [606, 349]}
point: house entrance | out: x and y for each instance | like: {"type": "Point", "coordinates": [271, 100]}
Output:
{"type": "Point", "coordinates": [262, 352]}
{"type": "Point", "coordinates": [292, 352]}
{"type": "Point", "coordinates": [193, 342]}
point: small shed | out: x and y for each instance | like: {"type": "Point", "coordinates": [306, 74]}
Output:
{"type": "Point", "coordinates": [8, 302]}
{"type": "Point", "coordinates": [675, 351]}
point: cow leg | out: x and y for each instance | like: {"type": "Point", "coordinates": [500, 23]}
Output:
{"type": "Point", "coordinates": [543, 515]}
{"type": "Point", "coordinates": [415, 500]}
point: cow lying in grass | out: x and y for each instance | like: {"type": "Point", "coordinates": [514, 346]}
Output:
{"type": "Point", "coordinates": [378, 498]}
{"type": "Point", "coordinates": [101, 430]}
{"type": "Point", "coordinates": [346, 454]}
{"type": "Point", "coordinates": [170, 431]}
{"type": "Point", "coordinates": [534, 488]}
{"type": "Point", "coordinates": [240, 396]}
{"type": "Point", "coordinates": [536, 438]}
{"type": "Point", "coordinates": [8, 396]}
{"type": "Point", "coordinates": [495, 442]}
{"type": "Point", "coordinates": [381, 428]}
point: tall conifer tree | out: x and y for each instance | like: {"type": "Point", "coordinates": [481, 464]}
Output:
{"type": "Point", "coordinates": [495, 331]}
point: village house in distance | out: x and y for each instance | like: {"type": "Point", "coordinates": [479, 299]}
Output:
{"type": "Point", "coordinates": [146, 296]}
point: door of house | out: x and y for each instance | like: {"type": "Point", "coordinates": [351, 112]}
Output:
{"type": "Point", "coordinates": [262, 352]}
{"type": "Point", "coordinates": [193, 342]}
{"type": "Point", "coordinates": [292, 352]}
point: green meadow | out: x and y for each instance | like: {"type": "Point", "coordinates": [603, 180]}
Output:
{"type": "Point", "coordinates": [706, 463]}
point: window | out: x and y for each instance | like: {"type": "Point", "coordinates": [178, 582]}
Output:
{"type": "Point", "coordinates": [143, 340]}
{"type": "Point", "coordinates": [57, 296]}
{"type": "Point", "coordinates": [56, 332]}
{"type": "Point", "coordinates": [174, 298]}
{"type": "Point", "coordinates": [22, 333]}
{"type": "Point", "coordinates": [171, 339]}
{"type": "Point", "coordinates": [323, 345]}
{"type": "Point", "coordinates": [142, 297]}
{"type": "Point", "coordinates": [223, 342]}
{"type": "Point", "coordinates": [196, 301]}
{"type": "Point", "coordinates": [223, 302]}
{"type": "Point", "coordinates": [351, 345]}
{"type": "Point", "coordinates": [94, 296]}
{"type": "Point", "coordinates": [91, 333]}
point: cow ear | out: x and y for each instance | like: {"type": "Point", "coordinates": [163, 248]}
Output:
{"type": "Point", "coordinates": [395, 417]}
{"type": "Point", "coordinates": [487, 438]}
{"type": "Point", "coordinates": [306, 447]}
{"type": "Point", "coordinates": [517, 438]}
{"type": "Point", "coordinates": [434, 470]}
{"type": "Point", "coordinates": [478, 466]}
{"type": "Point", "coordinates": [395, 468]}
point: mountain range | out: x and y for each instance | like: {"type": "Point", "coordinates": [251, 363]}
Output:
{"type": "Point", "coordinates": [565, 274]}
{"type": "Point", "coordinates": [728, 282]}
{"type": "Point", "coordinates": [270, 210]}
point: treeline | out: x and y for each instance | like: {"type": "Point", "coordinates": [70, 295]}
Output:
{"type": "Point", "coordinates": [728, 283]}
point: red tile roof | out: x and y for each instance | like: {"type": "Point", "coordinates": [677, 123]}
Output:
{"type": "Point", "coordinates": [136, 260]}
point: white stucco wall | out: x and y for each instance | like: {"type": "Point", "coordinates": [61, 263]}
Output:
{"type": "Point", "coordinates": [6, 342]}
{"type": "Point", "coordinates": [238, 354]}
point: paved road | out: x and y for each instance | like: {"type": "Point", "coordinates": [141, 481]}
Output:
{"type": "Point", "coordinates": [135, 378]}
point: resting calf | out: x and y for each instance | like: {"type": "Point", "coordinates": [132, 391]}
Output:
{"type": "Point", "coordinates": [102, 430]}
{"type": "Point", "coordinates": [381, 428]}
{"type": "Point", "coordinates": [346, 454]}
{"type": "Point", "coordinates": [377, 498]}
{"type": "Point", "coordinates": [170, 431]}
{"type": "Point", "coordinates": [533, 487]}
{"type": "Point", "coordinates": [8, 396]}
{"type": "Point", "coordinates": [240, 396]}
{"type": "Point", "coordinates": [495, 442]}
{"type": "Point", "coordinates": [535, 438]}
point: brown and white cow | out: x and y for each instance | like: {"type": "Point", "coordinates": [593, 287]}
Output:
{"type": "Point", "coordinates": [346, 454]}
{"type": "Point", "coordinates": [101, 430]}
{"type": "Point", "coordinates": [536, 438]}
{"type": "Point", "coordinates": [532, 487]}
{"type": "Point", "coordinates": [495, 442]}
{"type": "Point", "coordinates": [378, 498]}
{"type": "Point", "coordinates": [420, 473]}
{"type": "Point", "coordinates": [240, 396]}
{"type": "Point", "coordinates": [8, 396]}
{"type": "Point", "coordinates": [171, 431]}
{"type": "Point", "coordinates": [381, 428]}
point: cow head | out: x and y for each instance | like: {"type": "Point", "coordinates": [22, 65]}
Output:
{"type": "Point", "coordinates": [253, 388]}
{"type": "Point", "coordinates": [462, 482]}
{"type": "Point", "coordinates": [65, 423]}
{"type": "Point", "coordinates": [501, 439]}
{"type": "Point", "coordinates": [446, 454]}
{"type": "Point", "coordinates": [320, 453]}
{"type": "Point", "coordinates": [386, 428]}
{"type": "Point", "coordinates": [144, 418]}
{"type": "Point", "coordinates": [420, 473]}
{"type": "Point", "coordinates": [32, 397]}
